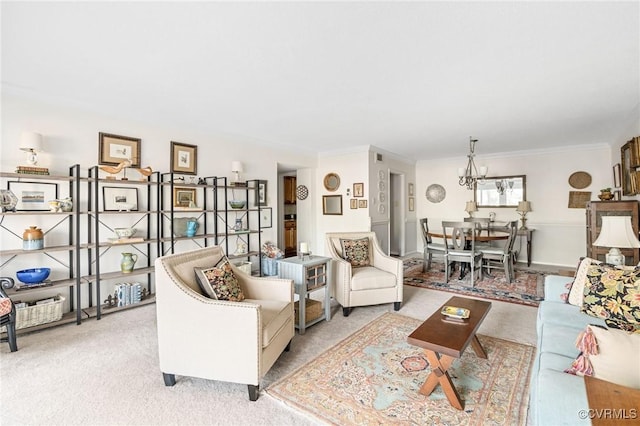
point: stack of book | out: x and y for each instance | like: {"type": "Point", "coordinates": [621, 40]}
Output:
{"type": "Point", "coordinates": [32, 170]}
{"type": "Point", "coordinates": [128, 293]}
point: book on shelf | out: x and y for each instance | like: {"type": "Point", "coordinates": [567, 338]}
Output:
{"type": "Point", "coordinates": [32, 170]}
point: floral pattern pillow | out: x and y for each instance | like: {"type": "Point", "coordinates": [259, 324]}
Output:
{"type": "Point", "coordinates": [356, 252]}
{"type": "Point", "coordinates": [220, 282]}
{"type": "Point", "coordinates": [613, 294]}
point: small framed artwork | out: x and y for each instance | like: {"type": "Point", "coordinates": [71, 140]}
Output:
{"type": "Point", "coordinates": [412, 204]}
{"type": "Point", "coordinates": [114, 149]}
{"type": "Point", "coordinates": [184, 197]}
{"type": "Point", "coordinates": [617, 175]}
{"type": "Point", "coordinates": [353, 203]}
{"type": "Point", "coordinates": [579, 199]}
{"type": "Point", "coordinates": [261, 193]}
{"type": "Point", "coordinates": [266, 220]}
{"type": "Point", "coordinates": [184, 158]}
{"type": "Point", "coordinates": [33, 196]}
{"type": "Point", "coordinates": [358, 189]}
{"type": "Point", "coordinates": [410, 189]}
{"type": "Point", "coordinates": [119, 198]}
{"type": "Point", "coordinates": [362, 204]}
{"type": "Point", "coordinates": [617, 195]}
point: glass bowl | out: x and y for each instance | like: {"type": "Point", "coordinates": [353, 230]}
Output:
{"type": "Point", "coordinates": [33, 275]}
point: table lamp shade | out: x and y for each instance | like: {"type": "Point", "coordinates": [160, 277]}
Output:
{"type": "Point", "coordinates": [236, 166]}
{"type": "Point", "coordinates": [471, 207]}
{"type": "Point", "coordinates": [524, 206]}
{"type": "Point", "coordinates": [616, 231]}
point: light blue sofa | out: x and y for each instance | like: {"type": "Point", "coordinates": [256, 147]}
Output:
{"type": "Point", "coordinates": [556, 398]}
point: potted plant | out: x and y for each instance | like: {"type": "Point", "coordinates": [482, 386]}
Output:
{"type": "Point", "coordinates": [605, 194]}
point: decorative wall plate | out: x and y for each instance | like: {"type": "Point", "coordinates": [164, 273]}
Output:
{"type": "Point", "coordinates": [435, 193]}
{"type": "Point", "coordinates": [580, 180]}
{"type": "Point", "coordinates": [331, 182]}
{"type": "Point", "coordinates": [302, 192]}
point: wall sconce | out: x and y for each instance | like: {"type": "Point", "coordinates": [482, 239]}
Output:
{"type": "Point", "coordinates": [31, 142]}
{"type": "Point", "coordinates": [236, 168]}
{"type": "Point", "coordinates": [524, 207]}
{"type": "Point", "coordinates": [616, 231]}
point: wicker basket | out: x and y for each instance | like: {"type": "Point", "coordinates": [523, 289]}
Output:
{"type": "Point", "coordinates": [313, 310]}
{"type": "Point", "coordinates": [39, 314]}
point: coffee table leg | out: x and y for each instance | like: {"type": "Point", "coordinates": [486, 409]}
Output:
{"type": "Point", "coordinates": [439, 366]}
{"type": "Point", "coordinates": [477, 347]}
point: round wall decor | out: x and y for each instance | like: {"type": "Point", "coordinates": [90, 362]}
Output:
{"type": "Point", "coordinates": [302, 192]}
{"type": "Point", "coordinates": [331, 182]}
{"type": "Point", "coordinates": [435, 193]}
{"type": "Point", "coordinates": [580, 180]}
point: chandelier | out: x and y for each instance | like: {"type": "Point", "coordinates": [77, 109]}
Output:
{"type": "Point", "coordinates": [469, 176]}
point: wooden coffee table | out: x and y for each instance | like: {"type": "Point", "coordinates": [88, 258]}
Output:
{"type": "Point", "coordinates": [443, 341]}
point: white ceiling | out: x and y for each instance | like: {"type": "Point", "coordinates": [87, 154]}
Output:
{"type": "Point", "coordinates": [413, 78]}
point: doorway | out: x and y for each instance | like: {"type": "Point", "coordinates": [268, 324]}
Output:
{"type": "Point", "coordinates": [396, 214]}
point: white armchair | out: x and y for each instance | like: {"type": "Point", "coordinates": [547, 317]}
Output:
{"type": "Point", "coordinates": [216, 339]}
{"type": "Point", "coordinates": [379, 282]}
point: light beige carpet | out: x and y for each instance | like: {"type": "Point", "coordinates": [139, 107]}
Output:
{"type": "Point", "coordinates": [106, 372]}
{"type": "Point", "coordinates": [373, 377]}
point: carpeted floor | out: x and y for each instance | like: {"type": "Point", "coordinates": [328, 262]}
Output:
{"type": "Point", "coordinates": [373, 377]}
{"type": "Point", "coordinates": [526, 289]}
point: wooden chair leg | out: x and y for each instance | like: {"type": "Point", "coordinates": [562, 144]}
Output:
{"type": "Point", "coordinates": [11, 337]}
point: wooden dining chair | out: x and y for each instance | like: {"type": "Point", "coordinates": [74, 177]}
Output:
{"type": "Point", "coordinates": [430, 248]}
{"type": "Point", "coordinates": [460, 246]}
{"type": "Point", "coordinates": [484, 226]}
{"type": "Point", "coordinates": [502, 257]}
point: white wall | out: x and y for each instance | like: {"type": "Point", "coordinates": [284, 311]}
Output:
{"type": "Point", "coordinates": [559, 237]}
{"type": "Point", "coordinates": [71, 137]}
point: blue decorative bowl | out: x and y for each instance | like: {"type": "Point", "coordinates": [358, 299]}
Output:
{"type": "Point", "coordinates": [33, 276]}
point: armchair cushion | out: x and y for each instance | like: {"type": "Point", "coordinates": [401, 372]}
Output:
{"type": "Point", "coordinates": [275, 315]}
{"type": "Point", "coordinates": [356, 251]}
{"type": "Point", "coordinates": [368, 278]}
{"type": "Point", "coordinates": [220, 282]}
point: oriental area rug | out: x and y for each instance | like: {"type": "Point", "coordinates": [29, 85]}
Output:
{"type": "Point", "coordinates": [526, 289]}
{"type": "Point", "coordinates": [373, 376]}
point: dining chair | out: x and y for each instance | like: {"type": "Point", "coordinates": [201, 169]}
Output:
{"type": "Point", "coordinates": [8, 316]}
{"type": "Point", "coordinates": [460, 246]}
{"type": "Point", "coordinates": [484, 225]}
{"type": "Point", "coordinates": [502, 257]}
{"type": "Point", "coordinates": [430, 248]}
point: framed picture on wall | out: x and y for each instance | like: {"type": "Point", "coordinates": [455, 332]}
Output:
{"type": "Point", "coordinates": [628, 175]}
{"type": "Point", "coordinates": [266, 220]}
{"type": "Point", "coordinates": [617, 175]}
{"type": "Point", "coordinates": [261, 193]}
{"type": "Point", "coordinates": [115, 198]}
{"type": "Point", "coordinates": [114, 149]}
{"type": "Point", "coordinates": [184, 158]}
{"type": "Point", "coordinates": [353, 203]}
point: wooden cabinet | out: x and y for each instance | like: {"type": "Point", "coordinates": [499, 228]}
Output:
{"type": "Point", "coordinates": [594, 212]}
{"type": "Point", "coordinates": [290, 190]}
{"type": "Point", "coordinates": [290, 238]}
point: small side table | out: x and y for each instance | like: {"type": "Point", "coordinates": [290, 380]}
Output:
{"type": "Point", "coordinates": [308, 275]}
{"type": "Point", "coordinates": [528, 233]}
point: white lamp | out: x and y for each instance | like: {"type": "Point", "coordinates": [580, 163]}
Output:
{"type": "Point", "coordinates": [523, 208]}
{"type": "Point", "coordinates": [31, 142]}
{"type": "Point", "coordinates": [236, 168]}
{"type": "Point", "coordinates": [616, 231]}
{"type": "Point", "coordinates": [471, 207]}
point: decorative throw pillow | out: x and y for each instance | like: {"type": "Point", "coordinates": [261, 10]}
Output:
{"type": "Point", "coordinates": [577, 286]}
{"type": "Point", "coordinates": [613, 294]}
{"type": "Point", "coordinates": [356, 252]}
{"type": "Point", "coordinates": [608, 354]}
{"type": "Point", "coordinates": [220, 282]}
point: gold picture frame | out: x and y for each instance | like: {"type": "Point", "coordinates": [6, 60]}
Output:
{"type": "Point", "coordinates": [184, 197]}
{"type": "Point", "coordinates": [184, 158]}
{"type": "Point", "coordinates": [362, 204]}
{"type": "Point", "coordinates": [358, 189]}
{"type": "Point", "coordinates": [114, 149]}
{"type": "Point", "coordinates": [353, 203]}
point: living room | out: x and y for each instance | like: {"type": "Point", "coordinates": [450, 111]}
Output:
{"type": "Point", "coordinates": [541, 131]}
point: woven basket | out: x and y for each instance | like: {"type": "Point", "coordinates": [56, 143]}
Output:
{"type": "Point", "coordinates": [39, 314]}
{"type": "Point", "coordinates": [312, 310]}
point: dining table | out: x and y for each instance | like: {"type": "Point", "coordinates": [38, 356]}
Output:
{"type": "Point", "coordinates": [483, 236]}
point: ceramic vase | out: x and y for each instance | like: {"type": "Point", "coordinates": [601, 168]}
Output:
{"type": "Point", "coordinates": [32, 238]}
{"type": "Point", "coordinates": [127, 262]}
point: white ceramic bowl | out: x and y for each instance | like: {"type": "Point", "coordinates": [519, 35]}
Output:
{"type": "Point", "coordinates": [125, 232]}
